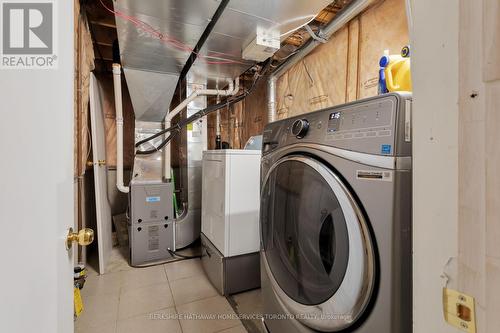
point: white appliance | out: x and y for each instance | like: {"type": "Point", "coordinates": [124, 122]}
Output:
{"type": "Point", "coordinates": [230, 219]}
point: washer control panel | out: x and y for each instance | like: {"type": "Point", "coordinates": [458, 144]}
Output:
{"type": "Point", "coordinates": [365, 122]}
{"type": "Point", "coordinates": [371, 126]}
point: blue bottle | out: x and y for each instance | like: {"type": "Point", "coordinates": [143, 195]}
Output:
{"type": "Point", "coordinates": [382, 86]}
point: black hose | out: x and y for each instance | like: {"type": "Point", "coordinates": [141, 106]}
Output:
{"type": "Point", "coordinates": [156, 149]}
{"type": "Point", "coordinates": [162, 262]}
{"type": "Point", "coordinates": [155, 135]}
{"type": "Point", "coordinates": [177, 127]}
{"type": "Point", "coordinates": [212, 108]}
{"type": "Point", "coordinates": [175, 254]}
{"type": "Point", "coordinates": [183, 123]}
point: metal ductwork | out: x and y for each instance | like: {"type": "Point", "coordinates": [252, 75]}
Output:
{"type": "Point", "coordinates": [188, 226]}
{"type": "Point", "coordinates": [152, 66]}
{"type": "Point", "coordinates": [237, 27]}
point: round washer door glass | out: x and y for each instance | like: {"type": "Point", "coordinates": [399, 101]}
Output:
{"type": "Point", "coordinates": [311, 230]}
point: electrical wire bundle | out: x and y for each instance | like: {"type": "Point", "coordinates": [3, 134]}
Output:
{"type": "Point", "coordinates": [218, 57]}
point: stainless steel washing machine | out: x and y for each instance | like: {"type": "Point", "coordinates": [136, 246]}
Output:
{"type": "Point", "coordinates": [336, 219]}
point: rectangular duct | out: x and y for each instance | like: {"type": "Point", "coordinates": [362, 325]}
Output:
{"type": "Point", "coordinates": [155, 50]}
{"type": "Point", "coordinates": [153, 62]}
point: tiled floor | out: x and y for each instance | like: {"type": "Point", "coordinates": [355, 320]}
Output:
{"type": "Point", "coordinates": [249, 303]}
{"type": "Point", "coordinates": [166, 298]}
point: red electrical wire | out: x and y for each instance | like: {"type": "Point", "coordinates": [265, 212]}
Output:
{"type": "Point", "coordinates": [172, 42]}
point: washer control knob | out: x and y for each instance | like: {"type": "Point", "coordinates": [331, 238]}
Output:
{"type": "Point", "coordinates": [300, 128]}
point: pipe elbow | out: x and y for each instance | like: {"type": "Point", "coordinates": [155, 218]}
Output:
{"type": "Point", "coordinates": [122, 188]}
{"type": "Point", "coordinates": [231, 85]}
{"type": "Point", "coordinates": [236, 86]}
{"type": "Point", "coordinates": [117, 69]}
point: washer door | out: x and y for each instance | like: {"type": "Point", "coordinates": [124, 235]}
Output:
{"type": "Point", "coordinates": [317, 247]}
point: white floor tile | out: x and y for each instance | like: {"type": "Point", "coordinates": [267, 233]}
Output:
{"type": "Point", "coordinates": [99, 310]}
{"type": "Point", "coordinates": [107, 328]}
{"type": "Point", "coordinates": [118, 260]}
{"type": "Point", "coordinates": [192, 289]}
{"type": "Point", "coordinates": [183, 269]}
{"type": "Point", "coordinates": [128, 300]}
{"type": "Point", "coordinates": [162, 322]}
{"type": "Point", "coordinates": [144, 300]}
{"type": "Point", "coordinates": [218, 315]}
{"type": "Point", "coordinates": [142, 277]}
{"type": "Point", "coordinates": [102, 284]}
{"type": "Point", "coordinates": [236, 329]}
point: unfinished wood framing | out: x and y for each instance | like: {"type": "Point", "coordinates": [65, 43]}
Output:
{"type": "Point", "coordinates": [342, 70]}
{"type": "Point", "coordinates": [345, 68]}
{"type": "Point", "coordinates": [84, 64]}
{"type": "Point", "coordinates": [107, 94]}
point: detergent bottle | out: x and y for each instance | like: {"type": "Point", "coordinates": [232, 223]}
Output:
{"type": "Point", "coordinates": [396, 74]}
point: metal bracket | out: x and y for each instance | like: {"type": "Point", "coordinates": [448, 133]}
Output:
{"type": "Point", "coordinates": [318, 37]}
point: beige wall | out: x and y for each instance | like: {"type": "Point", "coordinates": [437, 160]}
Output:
{"type": "Point", "coordinates": [435, 156]}
{"type": "Point", "coordinates": [342, 70]}
{"type": "Point", "coordinates": [106, 82]}
{"type": "Point", "coordinates": [346, 68]}
{"type": "Point", "coordinates": [479, 159]}
{"type": "Point", "coordinates": [456, 72]}
{"type": "Point", "coordinates": [242, 120]}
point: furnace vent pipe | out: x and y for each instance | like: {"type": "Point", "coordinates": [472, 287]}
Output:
{"type": "Point", "coordinates": [271, 95]}
{"type": "Point", "coordinates": [231, 91]}
{"type": "Point", "coordinates": [217, 118]}
{"type": "Point", "coordinates": [341, 19]}
{"type": "Point", "coordinates": [217, 122]}
{"type": "Point", "coordinates": [117, 82]}
{"type": "Point", "coordinates": [218, 140]}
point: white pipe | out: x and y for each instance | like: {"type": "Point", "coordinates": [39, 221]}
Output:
{"type": "Point", "coordinates": [217, 123]}
{"type": "Point", "coordinates": [341, 19]}
{"type": "Point", "coordinates": [217, 117]}
{"type": "Point", "coordinates": [232, 90]}
{"type": "Point", "coordinates": [409, 17]}
{"type": "Point", "coordinates": [117, 82]}
{"type": "Point", "coordinates": [271, 93]}
{"type": "Point", "coordinates": [168, 123]}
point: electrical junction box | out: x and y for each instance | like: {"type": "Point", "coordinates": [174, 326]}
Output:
{"type": "Point", "coordinates": [263, 46]}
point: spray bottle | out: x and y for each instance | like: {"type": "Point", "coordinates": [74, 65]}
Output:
{"type": "Point", "coordinates": [384, 61]}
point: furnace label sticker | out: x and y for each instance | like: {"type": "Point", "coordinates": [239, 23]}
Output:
{"type": "Point", "coordinates": [374, 175]}
{"type": "Point", "coordinates": [153, 238]}
{"type": "Point", "coordinates": [153, 199]}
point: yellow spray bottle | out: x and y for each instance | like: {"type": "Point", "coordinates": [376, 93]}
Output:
{"type": "Point", "coordinates": [398, 72]}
